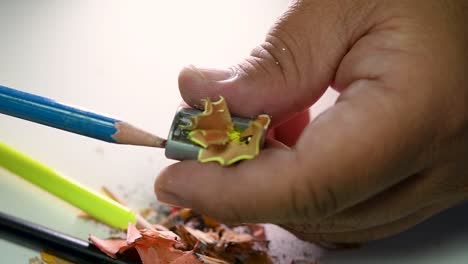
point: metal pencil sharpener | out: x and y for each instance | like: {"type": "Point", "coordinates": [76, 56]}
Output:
{"type": "Point", "coordinates": [179, 146]}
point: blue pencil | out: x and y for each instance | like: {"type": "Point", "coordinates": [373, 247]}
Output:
{"type": "Point", "coordinates": [48, 112]}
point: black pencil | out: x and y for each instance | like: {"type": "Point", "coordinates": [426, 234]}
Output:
{"type": "Point", "coordinates": [67, 247]}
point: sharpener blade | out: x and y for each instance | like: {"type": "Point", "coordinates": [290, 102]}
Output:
{"type": "Point", "coordinates": [179, 147]}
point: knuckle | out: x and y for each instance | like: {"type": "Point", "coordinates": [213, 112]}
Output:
{"type": "Point", "coordinates": [278, 55]}
{"type": "Point", "coordinates": [323, 203]}
{"type": "Point", "coordinates": [311, 199]}
{"type": "Point", "coordinates": [312, 202]}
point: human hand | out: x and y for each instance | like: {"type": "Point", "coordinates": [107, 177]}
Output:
{"type": "Point", "coordinates": [390, 153]}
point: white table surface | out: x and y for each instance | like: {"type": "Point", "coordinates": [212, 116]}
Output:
{"type": "Point", "coordinates": [122, 58]}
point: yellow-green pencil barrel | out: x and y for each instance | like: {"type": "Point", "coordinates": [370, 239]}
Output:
{"type": "Point", "coordinates": [96, 205]}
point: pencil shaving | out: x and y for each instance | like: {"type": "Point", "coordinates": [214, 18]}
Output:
{"type": "Point", "coordinates": [214, 131]}
{"type": "Point", "coordinates": [152, 246]}
{"type": "Point", "coordinates": [192, 241]}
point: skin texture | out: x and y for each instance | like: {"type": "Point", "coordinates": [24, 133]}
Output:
{"type": "Point", "coordinates": [389, 154]}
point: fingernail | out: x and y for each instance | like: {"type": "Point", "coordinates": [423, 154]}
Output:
{"type": "Point", "coordinates": [169, 189]}
{"type": "Point", "coordinates": [206, 74]}
{"type": "Point", "coordinates": [165, 196]}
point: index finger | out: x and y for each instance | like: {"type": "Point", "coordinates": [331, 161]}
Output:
{"type": "Point", "coordinates": [348, 154]}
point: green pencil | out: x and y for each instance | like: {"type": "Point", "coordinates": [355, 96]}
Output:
{"type": "Point", "coordinates": [95, 204]}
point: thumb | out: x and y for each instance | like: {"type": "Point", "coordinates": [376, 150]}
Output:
{"type": "Point", "coordinates": [284, 75]}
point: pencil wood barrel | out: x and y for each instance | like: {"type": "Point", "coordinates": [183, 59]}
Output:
{"type": "Point", "coordinates": [51, 113]}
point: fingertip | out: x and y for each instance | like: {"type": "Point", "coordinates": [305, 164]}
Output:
{"type": "Point", "coordinates": [182, 184]}
{"type": "Point", "coordinates": [200, 83]}
{"type": "Point", "coordinates": [161, 180]}
{"type": "Point", "coordinates": [166, 186]}
{"type": "Point", "coordinates": [159, 186]}
{"type": "Point", "coordinates": [190, 83]}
